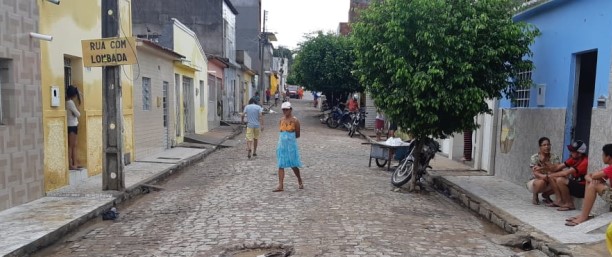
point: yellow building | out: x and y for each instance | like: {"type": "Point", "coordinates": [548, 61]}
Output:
{"type": "Point", "coordinates": [274, 85]}
{"type": "Point", "coordinates": [62, 65]}
{"type": "Point", "coordinates": [247, 86]}
{"type": "Point", "coordinates": [191, 75]}
{"type": "Point", "coordinates": [246, 79]}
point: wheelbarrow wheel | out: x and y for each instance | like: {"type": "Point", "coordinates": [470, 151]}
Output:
{"type": "Point", "coordinates": [381, 163]}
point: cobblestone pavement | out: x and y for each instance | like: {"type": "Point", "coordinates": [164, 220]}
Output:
{"type": "Point", "coordinates": [346, 208]}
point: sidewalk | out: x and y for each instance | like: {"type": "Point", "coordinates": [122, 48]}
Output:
{"type": "Point", "coordinates": [509, 206]}
{"type": "Point", "coordinates": [36, 224]}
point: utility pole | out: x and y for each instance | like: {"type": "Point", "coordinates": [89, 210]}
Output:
{"type": "Point", "coordinates": [112, 113]}
{"type": "Point", "coordinates": [263, 40]}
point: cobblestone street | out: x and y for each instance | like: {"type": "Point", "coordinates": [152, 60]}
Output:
{"type": "Point", "coordinates": [346, 208]}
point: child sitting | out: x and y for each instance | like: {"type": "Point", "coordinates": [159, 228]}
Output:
{"type": "Point", "coordinates": [596, 184]}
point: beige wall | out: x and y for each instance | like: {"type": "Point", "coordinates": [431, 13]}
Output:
{"type": "Point", "coordinates": [21, 140]}
{"type": "Point", "coordinates": [148, 125]}
{"type": "Point", "coordinates": [529, 126]}
{"type": "Point", "coordinates": [83, 21]}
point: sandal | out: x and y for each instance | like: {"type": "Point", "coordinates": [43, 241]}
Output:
{"type": "Point", "coordinates": [552, 205]}
{"type": "Point", "coordinates": [301, 186]}
{"type": "Point", "coordinates": [278, 190]}
{"type": "Point", "coordinates": [249, 153]}
{"type": "Point", "coordinates": [571, 223]}
{"type": "Point", "coordinates": [566, 208]}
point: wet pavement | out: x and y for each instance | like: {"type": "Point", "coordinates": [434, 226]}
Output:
{"type": "Point", "coordinates": [346, 209]}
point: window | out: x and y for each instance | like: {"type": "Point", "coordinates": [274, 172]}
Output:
{"type": "Point", "coordinates": [522, 95]}
{"type": "Point", "coordinates": [146, 93]}
{"type": "Point", "coordinates": [5, 65]}
{"type": "Point", "coordinates": [202, 99]}
{"type": "Point", "coordinates": [67, 72]}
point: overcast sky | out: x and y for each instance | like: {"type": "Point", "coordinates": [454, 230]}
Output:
{"type": "Point", "coordinates": [291, 19]}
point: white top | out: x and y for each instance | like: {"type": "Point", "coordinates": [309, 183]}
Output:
{"type": "Point", "coordinates": [73, 114]}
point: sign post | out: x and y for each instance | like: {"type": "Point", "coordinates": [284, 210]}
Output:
{"type": "Point", "coordinates": [112, 113]}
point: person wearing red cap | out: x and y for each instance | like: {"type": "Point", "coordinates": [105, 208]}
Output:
{"type": "Point", "coordinates": [596, 185]}
{"type": "Point", "coordinates": [570, 180]}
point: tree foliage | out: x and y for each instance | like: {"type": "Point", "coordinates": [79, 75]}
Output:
{"type": "Point", "coordinates": [283, 52]}
{"type": "Point", "coordinates": [326, 63]}
{"type": "Point", "coordinates": [431, 64]}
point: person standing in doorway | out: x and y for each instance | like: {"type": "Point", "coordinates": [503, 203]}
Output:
{"type": "Point", "coordinates": [268, 96]}
{"type": "Point", "coordinates": [72, 117]}
{"type": "Point", "coordinates": [287, 153]}
{"type": "Point", "coordinates": [254, 115]}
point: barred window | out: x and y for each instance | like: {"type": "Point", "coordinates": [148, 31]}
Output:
{"type": "Point", "coordinates": [522, 95]}
{"type": "Point", "coordinates": [5, 66]}
{"type": "Point", "coordinates": [146, 93]}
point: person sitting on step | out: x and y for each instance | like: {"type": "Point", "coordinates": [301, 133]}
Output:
{"type": "Point", "coordinates": [569, 181]}
{"type": "Point", "coordinates": [541, 165]}
{"type": "Point", "coordinates": [595, 184]}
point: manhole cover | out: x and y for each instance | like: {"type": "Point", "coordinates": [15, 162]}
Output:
{"type": "Point", "coordinates": [258, 250]}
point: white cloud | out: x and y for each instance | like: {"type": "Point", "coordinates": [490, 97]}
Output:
{"type": "Point", "coordinates": [291, 19]}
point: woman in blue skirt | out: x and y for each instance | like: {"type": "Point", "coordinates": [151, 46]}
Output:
{"type": "Point", "coordinates": [287, 153]}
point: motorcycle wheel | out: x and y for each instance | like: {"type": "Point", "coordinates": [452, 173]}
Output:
{"type": "Point", "coordinates": [402, 173]}
{"type": "Point", "coordinates": [381, 163]}
{"type": "Point", "coordinates": [332, 123]}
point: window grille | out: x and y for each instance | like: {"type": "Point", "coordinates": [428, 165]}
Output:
{"type": "Point", "coordinates": [146, 93]}
{"type": "Point", "coordinates": [522, 95]}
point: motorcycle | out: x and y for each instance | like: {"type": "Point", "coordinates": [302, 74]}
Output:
{"type": "Point", "coordinates": [356, 121]}
{"type": "Point", "coordinates": [407, 167]}
{"type": "Point", "coordinates": [338, 116]}
{"type": "Point", "coordinates": [325, 116]}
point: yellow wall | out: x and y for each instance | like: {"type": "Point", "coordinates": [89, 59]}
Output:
{"type": "Point", "coordinates": [69, 23]}
{"type": "Point", "coordinates": [248, 87]}
{"type": "Point", "coordinates": [186, 43]}
{"type": "Point", "coordinates": [274, 84]}
{"type": "Point", "coordinates": [182, 70]}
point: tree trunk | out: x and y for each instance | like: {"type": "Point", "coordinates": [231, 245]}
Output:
{"type": "Point", "coordinates": [416, 166]}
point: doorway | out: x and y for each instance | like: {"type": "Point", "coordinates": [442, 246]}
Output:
{"type": "Point", "coordinates": [584, 94]}
{"type": "Point", "coordinates": [166, 114]}
{"type": "Point", "coordinates": [188, 105]}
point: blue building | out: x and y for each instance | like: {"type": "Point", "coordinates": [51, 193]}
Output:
{"type": "Point", "coordinates": [570, 97]}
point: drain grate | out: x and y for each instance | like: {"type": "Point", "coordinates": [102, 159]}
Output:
{"type": "Point", "coordinates": [258, 250]}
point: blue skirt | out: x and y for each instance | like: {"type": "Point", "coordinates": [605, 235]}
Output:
{"type": "Point", "coordinates": [287, 153]}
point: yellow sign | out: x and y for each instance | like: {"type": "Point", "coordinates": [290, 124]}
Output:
{"type": "Point", "coordinates": [109, 52]}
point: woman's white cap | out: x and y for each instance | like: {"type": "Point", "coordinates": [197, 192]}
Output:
{"type": "Point", "coordinates": [286, 105]}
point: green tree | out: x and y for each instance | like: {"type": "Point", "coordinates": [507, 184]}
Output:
{"type": "Point", "coordinates": [431, 64]}
{"type": "Point", "coordinates": [326, 63]}
{"type": "Point", "coordinates": [284, 52]}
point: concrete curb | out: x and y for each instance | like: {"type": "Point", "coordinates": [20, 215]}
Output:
{"type": "Point", "coordinates": [118, 197]}
{"type": "Point", "coordinates": [498, 217]}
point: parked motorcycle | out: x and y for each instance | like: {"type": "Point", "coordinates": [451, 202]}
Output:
{"type": "Point", "coordinates": [325, 116]}
{"type": "Point", "coordinates": [338, 116]}
{"type": "Point", "coordinates": [407, 166]}
{"type": "Point", "coordinates": [356, 121]}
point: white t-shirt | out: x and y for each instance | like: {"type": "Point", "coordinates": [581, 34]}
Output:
{"type": "Point", "coordinates": [72, 114]}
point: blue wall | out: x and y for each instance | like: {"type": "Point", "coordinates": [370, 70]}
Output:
{"type": "Point", "coordinates": [568, 28]}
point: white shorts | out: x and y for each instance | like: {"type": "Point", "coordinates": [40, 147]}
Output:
{"type": "Point", "coordinates": [530, 186]}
